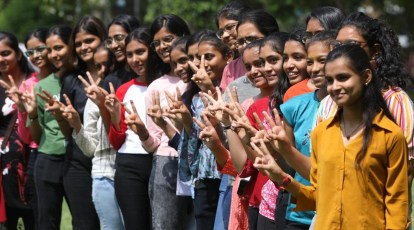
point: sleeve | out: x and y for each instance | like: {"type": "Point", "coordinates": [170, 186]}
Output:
{"type": "Point", "coordinates": [248, 169]}
{"type": "Point", "coordinates": [228, 167]}
{"type": "Point", "coordinates": [396, 197]}
{"type": "Point", "coordinates": [175, 141]}
{"type": "Point", "coordinates": [402, 110]}
{"type": "Point", "coordinates": [306, 199]}
{"type": "Point", "coordinates": [87, 139]}
{"type": "Point", "coordinates": [155, 132]}
{"type": "Point", "coordinates": [117, 138]}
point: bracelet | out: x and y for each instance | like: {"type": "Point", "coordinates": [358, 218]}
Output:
{"type": "Point", "coordinates": [285, 182]}
{"type": "Point", "coordinates": [227, 127]}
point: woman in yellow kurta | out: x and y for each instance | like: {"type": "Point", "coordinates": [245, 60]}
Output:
{"type": "Point", "coordinates": [359, 156]}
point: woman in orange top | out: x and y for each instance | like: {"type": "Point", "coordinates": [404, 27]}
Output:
{"type": "Point", "coordinates": [359, 156]}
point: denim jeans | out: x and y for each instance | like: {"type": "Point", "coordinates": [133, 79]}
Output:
{"type": "Point", "coordinates": [218, 222]}
{"type": "Point", "coordinates": [106, 204]}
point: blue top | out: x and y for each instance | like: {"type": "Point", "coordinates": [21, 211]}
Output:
{"type": "Point", "coordinates": [300, 113]}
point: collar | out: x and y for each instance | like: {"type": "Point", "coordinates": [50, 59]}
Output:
{"type": "Point", "coordinates": [139, 83]}
{"type": "Point", "coordinates": [380, 120]}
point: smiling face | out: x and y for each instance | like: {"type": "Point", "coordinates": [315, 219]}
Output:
{"type": "Point", "coordinates": [317, 53]}
{"type": "Point", "coordinates": [179, 62]}
{"type": "Point", "coordinates": [85, 45]}
{"type": "Point", "coordinates": [137, 57]}
{"type": "Point", "coordinates": [227, 28]}
{"type": "Point", "coordinates": [253, 63]}
{"type": "Point", "coordinates": [116, 38]}
{"type": "Point", "coordinates": [8, 59]}
{"type": "Point", "coordinates": [162, 44]}
{"type": "Point", "coordinates": [273, 64]}
{"type": "Point", "coordinates": [58, 51]}
{"type": "Point", "coordinates": [38, 52]}
{"type": "Point", "coordinates": [344, 84]}
{"type": "Point", "coordinates": [214, 60]}
{"type": "Point", "coordinates": [294, 61]}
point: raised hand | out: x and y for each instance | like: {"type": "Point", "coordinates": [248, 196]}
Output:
{"type": "Point", "coordinates": [93, 91]}
{"type": "Point", "coordinates": [12, 91]}
{"type": "Point", "coordinates": [133, 120]}
{"type": "Point", "coordinates": [265, 162]}
{"type": "Point", "coordinates": [155, 112]}
{"type": "Point", "coordinates": [208, 133]}
{"type": "Point", "coordinates": [71, 115]}
{"type": "Point", "coordinates": [28, 99]}
{"type": "Point", "coordinates": [52, 105]}
{"type": "Point", "coordinates": [215, 106]}
{"type": "Point", "coordinates": [277, 134]}
{"type": "Point", "coordinates": [177, 111]}
{"type": "Point", "coordinates": [201, 77]}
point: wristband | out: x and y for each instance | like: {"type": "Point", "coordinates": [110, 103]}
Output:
{"type": "Point", "coordinates": [226, 127]}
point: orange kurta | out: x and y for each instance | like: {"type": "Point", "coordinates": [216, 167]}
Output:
{"type": "Point", "coordinates": [375, 197]}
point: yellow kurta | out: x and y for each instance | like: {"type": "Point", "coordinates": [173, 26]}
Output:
{"type": "Point", "coordinates": [375, 197]}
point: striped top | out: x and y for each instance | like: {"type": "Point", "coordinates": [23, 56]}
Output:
{"type": "Point", "coordinates": [399, 104]}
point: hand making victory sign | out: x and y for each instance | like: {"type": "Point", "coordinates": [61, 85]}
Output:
{"type": "Point", "coordinates": [12, 91]}
{"type": "Point", "coordinates": [93, 91]}
{"type": "Point", "coordinates": [71, 115]}
{"type": "Point", "coordinates": [177, 111]}
{"type": "Point", "coordinates": [201, 77]}
{"type": "Point", "coordinates": [133, 120]}
{"type": "Point", "coordinates": [113, 106]}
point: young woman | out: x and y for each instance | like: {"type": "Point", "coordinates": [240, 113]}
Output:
{"type": "Point", "coordinates": [375, 151]}
{"type": "Point", "coordinates": [381, 44]}
{"type": "Point", "coordinates": [294, 64]}
{"type": "Point", "coordinates": [92, 140]}
{"type": "Point", "coordinates": [167, 207]}
{"type": "Point", "coordinates": [323, 18]}
{"type": "Point", "coordinates": [44, 125]}
{"type": "Point", "coordinates": [203, 170]}
{"type": "Point", "coordinates": [227, 20]}
{"type": "Point", "coordinates": [14, 70]}
{"type": "Point", "coordinates": [118, 30]}
{"type": "Point", "coordinates": [86, 36]}
{"type": "Point", "coordinates": [128, 133]}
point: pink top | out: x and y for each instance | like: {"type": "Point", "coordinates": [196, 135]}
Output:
{"type": "Point", "coordinates": [158, 141]}
{"type": "Point", "coordinates": [22, 128]}
{"type": "Point", "coordinates": [269, 195]}
{"type": "Point", "coordinates": [231, 72]}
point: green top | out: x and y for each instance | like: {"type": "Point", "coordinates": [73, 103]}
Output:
{"type": "Point", "coordinates": [52, 140]}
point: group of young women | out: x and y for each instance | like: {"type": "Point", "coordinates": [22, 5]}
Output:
{"type": "Point", "coordinates": [244, 128]}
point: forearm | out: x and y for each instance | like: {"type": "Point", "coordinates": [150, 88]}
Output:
{"type": "Point", "coordinates": [298, 161]}
{"type": "Point", "coordinates": [35, 130]}
{"type": "Point", "coordinates": [106, 117]}
{"type": "Point", "coordinates": [220, 153]}
{"type": "Point", "coordinates": [237, 152]}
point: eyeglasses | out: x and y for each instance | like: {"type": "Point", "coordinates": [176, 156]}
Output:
{"type": "Point", "coordinates": [227, 28]}
{"type": "Point", "coordinates": [39, 49]}
{"type": "Point", "coordinates": [336, 43]}
{"type": "Point", "coordinates": [119, 38]}
{"type": "Point", "coordinates": [165, 40]}
{"type": "Point", "coordinates": [247, 40]}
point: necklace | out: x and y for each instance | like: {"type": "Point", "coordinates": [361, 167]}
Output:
{"type": "Point", "coordinates": [353, 131]}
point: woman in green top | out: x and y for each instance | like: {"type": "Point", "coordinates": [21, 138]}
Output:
{"type": "Point", "coordinates": [44, 119]}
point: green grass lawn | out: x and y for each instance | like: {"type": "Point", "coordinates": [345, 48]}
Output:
{"type": "Point", "coordinates": [66, 222]}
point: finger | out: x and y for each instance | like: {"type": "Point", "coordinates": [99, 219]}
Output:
{"type": "Point", "coordinates": [193, 67]}
{"type": "Point", "coordinates": [126, 108]}
{"type": "Point", "coordinates": [103, 91]}
{"type": "Point", "coordinates": [263, 148]}
{"type": "Point", "coordinates": [111, 88]}
{"type": "Point", "coordinates": [90, 78]}
{"type": "Point", "coordinates": [13, 84]}
{"type": "Point", "coordinates": [68, 103]}
{"type": "Point", "coordinates": [4, 84]}
{"type": "Point", "coordinates": [278, 120]}
{"type": "Point", "coordinates": [206, 120]}
{"type": "Point", "coordinates": [178, 93]}
{"type": "Point", "coordinates": [256, 149]}
{"type": "Point", "coordinates": [47, 94]}
{"type": "Point", "coordinates": [269, 119]}
{"type": "Point", "coordinates": [258, 121]}
{"type": "Point", "coordinates": [199, 123]}
{"type": "Point", "coordinates": [235, 95]}
{"type": "Point", "coordinates": [85, 82]}
{"type": "Point", "coordinates": [157, 98]}
{"type": "Point", "coordinates": [134, 109]}
{"type": "Point", "coordinates": [170, 99]}
{"type": "Point", "coordinates": [208, 96]}
{"type": "Point", "coordinates": [202, 62]}
{"type": "Point", "coordinates": [204, 100]}
{"type": "Point", "coordinates": [45, 98]}
{"type": "Point", "coordinates": [219, 96]}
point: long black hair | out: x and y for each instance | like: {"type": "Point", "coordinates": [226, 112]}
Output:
{"type": "Point", "coordinates": [388, 66]}
{"type": "Point", "coordinates": [263, 21]}
{"type": "Point", "coordinates": [144, 36]}
{"type": "Point", "coordinates": [11, 41]}
{"type": "Point", "coordinates": [329, 17]}
{"type": "Point", "coordinates": [372, 98]}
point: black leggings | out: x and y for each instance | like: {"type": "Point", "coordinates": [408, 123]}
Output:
{"type": "Point", "coordinates": [131, 189]}
{"type": "Point", "coordinates": [205, 202]}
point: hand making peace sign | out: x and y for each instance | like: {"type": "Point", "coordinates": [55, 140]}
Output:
{"type": "Point", "coordinates": [93, 91]}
